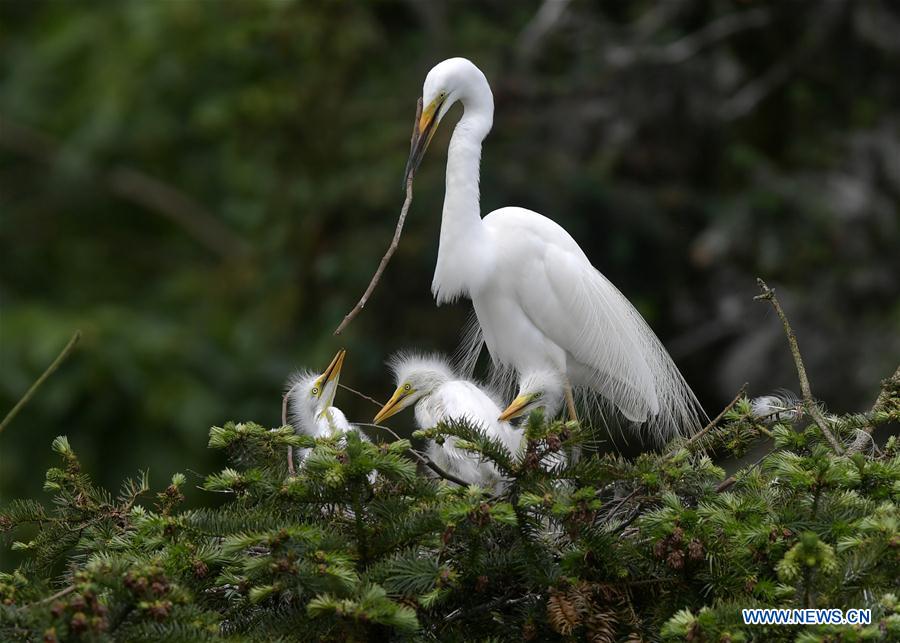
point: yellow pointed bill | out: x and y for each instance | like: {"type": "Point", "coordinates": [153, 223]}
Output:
{"type": "Point", "coordinates": [333, 372]}
{"type": "Point", "coordinates": [516, 408]}
{"type": "Point", "coordinates": [422, 136]}
{"type": "Point", "coordinates": [393, 405]}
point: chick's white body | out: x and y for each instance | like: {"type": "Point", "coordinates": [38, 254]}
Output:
{"type": "Point", "coordinates": [461, 399]}
{"type": "Point", "coordinates": [311, 413]}
{"type": "Point", "coordinates": [328, 424]}
{"type": "Point", "coordinates": [440, 395]}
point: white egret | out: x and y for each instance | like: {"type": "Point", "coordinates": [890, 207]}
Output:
{"type": "Point", "coordinates": [310, 398]}
{"type": "Point", "coordinates": [540, 389]}
{"type": "Point", "coordinates": [539, 301]}
{"type": "Point", "coordinates": [439, 395]}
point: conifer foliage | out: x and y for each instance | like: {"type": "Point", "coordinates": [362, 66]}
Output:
{"type": "Point", "coordinates": [662, 546]}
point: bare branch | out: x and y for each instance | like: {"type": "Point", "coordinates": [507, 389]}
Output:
{"type": "Point", "coordinates": [159, 197]}
{"type": "Point", "coordinates": [621, 503]}
{"type": "Point", "coordinates": [543, 22]}
{"type": "Point", "coordinates": [751, 94]}
{"type": "Point", "coordinates": [131, 185]}
{"type": "Point", "coordinates": [37, 383]}
{"type": "Point", "coordinates": [502, 602]}
{"type": "Point", "coordinates": [685, 48]}
{"type": "Point", "coordinates": [656, 18]}
{"type": "Point", "coordinates": [63, 592]}
{"type": "Point", "coordinates": [728, 482]}
{"type": "Point", "coordinates": [696, 437]}
{"type": "Point", "coordinates": [349, 317]}
{"type": "Point", "coordinates": [888, 387]}
{"type": "Point", "coordinates": [809, 402]}
{"type": "Point", "coordinates": [284, 422]}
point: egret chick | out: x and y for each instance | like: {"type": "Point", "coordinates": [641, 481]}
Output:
{"type": "Point", "coordinates": [440, 395]}
{"type": "Point", "coordinates": [539, 301]}
{"type": "Point", "coordinates": [310, 398]}
{"type": "Point", "coordinates": [540, 389]}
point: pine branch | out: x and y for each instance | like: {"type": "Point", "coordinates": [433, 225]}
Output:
{"type": "Point", "coordinates": [332, 554]}
{"type": "Point", "coordinates": [424, 459]}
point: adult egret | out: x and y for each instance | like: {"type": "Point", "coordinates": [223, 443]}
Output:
{"type": "Point", "coordinates": [310, 398]}
{"type": "Point", "coordinates": [539, 302]}
{"type": "Point", "coordinates": [439, 395]}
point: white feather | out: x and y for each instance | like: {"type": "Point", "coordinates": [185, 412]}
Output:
{"type": "Point", "coordinates": [783, 405]}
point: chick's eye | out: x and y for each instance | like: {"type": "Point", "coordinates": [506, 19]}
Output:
{"type": "Point", "coordinates": [406, 387]}
{"type": "Point", "coordinates": [315, 390]}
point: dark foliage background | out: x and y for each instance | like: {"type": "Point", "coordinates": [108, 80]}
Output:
{"type": "Point", "coordinates": [205, 188]}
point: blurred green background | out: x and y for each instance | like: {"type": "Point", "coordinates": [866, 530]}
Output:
{"type": "Point", "coordinates": [204, 189]}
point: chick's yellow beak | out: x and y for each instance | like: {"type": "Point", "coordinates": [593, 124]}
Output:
{"type": "Point", "coordinates": [422, 136]}
{"type": "Point", "coordinates": [393, 405]}
{"type": "Point", "coordinates": [516, 408]}
{"type": "Point", "coordinates": [332, 373]}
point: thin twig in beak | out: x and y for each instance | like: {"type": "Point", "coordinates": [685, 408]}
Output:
{"type": "Point", "coordinates": [413, 143]}
{"type": "Point", "coordinates": [394, 242]}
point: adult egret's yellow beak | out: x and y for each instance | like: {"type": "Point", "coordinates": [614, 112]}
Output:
{"type": "Point", "coordinates": [393, 405]}
{"type": "Point", "coordinates": [332, 373]}
{"type": "Point", "coordinates": [517, 407]}
{"type": "Point", "coordinates": [422, 137]}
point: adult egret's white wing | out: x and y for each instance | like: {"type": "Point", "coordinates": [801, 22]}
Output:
{"type": "Point", "coordinates": [609, 347]}
{"type": "Point", "coordinates": [625, 360]}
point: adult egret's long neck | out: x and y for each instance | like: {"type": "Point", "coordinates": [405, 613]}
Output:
{"type": "Point", "coordinates": [464, 250]}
